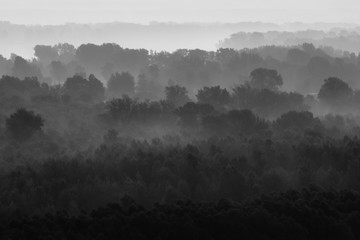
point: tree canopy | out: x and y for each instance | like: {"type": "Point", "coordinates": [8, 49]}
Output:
{"type": "Point", "coordinates": [23, 124]}
{"type": "Point", "coordinates": [335, 91]}
{"type": "Point", "coordinates": [262, 78]}
{"type": "Point", "coordinates": [121, 84]}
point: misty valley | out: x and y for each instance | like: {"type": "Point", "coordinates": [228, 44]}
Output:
{"type": "Point", "coordinates": [106, 142]}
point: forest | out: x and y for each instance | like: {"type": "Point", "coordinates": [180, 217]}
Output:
{"type": "Point", "coordinates": [105, 142]}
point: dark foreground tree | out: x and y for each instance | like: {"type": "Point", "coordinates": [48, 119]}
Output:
{"type": "Point", "coordinates": [23, 124]}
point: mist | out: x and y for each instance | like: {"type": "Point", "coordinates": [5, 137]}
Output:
{"type": "Point", "coordinates": [164, 36]}
{"type": "Point", "coordinates": [179, 120]}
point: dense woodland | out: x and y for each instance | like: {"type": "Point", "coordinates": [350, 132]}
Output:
{"type": "Point", "coordinates": [261, 143]}
{"type": "Point", "coordinates": [336, 38]}
{"type": "Point", "coordinates": [307, 214]}
{"type": "Point", "coordinates": [303, 67]}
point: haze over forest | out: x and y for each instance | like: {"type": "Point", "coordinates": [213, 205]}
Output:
{"type": "Point", "coordinates": [140, 119]}
{"type": "Point", "coordinates": [164, 36]}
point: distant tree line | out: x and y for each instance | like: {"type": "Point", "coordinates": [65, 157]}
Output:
{"type": "Point", "coordinates": [303, 67]}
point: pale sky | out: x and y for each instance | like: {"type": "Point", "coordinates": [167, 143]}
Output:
{"type": "Point", "coordinates": [145, 11]}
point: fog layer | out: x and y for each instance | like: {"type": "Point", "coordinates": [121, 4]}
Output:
{"type": "Point", "coordinates": [153, 36]}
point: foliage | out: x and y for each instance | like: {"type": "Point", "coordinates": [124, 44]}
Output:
{"type": "Point", "coordinates": [121, 84]}
{"type": "Point", "coordinates": [23, 124]}
{"type": "Point", "coordinates": [335, 92]}
{"type": "Point", "coordinates": [307, 214]}
{"type": "Point", "coordinates": [79, 88]}
{"type": "Point", "coordinates": [215, 96]}
{"type": "Point", "coordinates": [262, 78]}
{"type": "Point", "coordinates": [176, 95]}
{"type": "Point", "coordinates": [155, 146]}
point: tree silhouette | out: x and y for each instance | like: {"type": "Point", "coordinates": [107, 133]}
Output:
{"type": "Point", "coordinates": [23, 68]}
{"type": "Point", "coordinates": [176, 95]}
{"type": "Point", "coordinates": [297, 121]}
{"type": "Point", "coordinates": [262, 78]}
{"type": "Point", "coordinates": [23, 124]}
{"type": "Point", "coordinates": [45, 53]}
{"type": "Point", "coordinates": [216, 96]}
{"type": "Point", "coordinates": [79, 88]}
{"type": "Point", "coordinates": [120, 84]}
{"type": "Point", "coordinates": [58, 71]}
{"type": "Point", "coordinates": [335, 92]}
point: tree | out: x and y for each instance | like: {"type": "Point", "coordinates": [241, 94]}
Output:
{"type": "Point", "coordinates": [191, 112]}
{"type": "Point", "coordinates": [297, 121]}
{"type": "Point", "coordinates": [121, 108]}
{"type": "Point", "coordinates": [235, 122]}
{"type": "Point", "coordinates": [267, 103]}
{"type": "Point", "coordinates": [153, 72]}
{"type": "Point", "coordinates": [216, 96]}
{"type": "Point", "coordinates": [45, 53]}
{"type": "Point", "coordinates": [319, 67]}
{"type": "Point", "coordinates": [177, 95]}
{"type": "Point", "coordinates": [335, 92]}
{"type": "Point", "coordinates": [120, 84]}
{"type": "Point", "coordinates": [65, 51]}
{"type": "Point", "coordinates": [107, 70]}
{"type": "Point", "coordinates": [79, 88]}
{"type": "Point", "coordinates": [245, 122]}
{"type": "Point", "coordinates": [22, 69]}
{"type": "Point", "coordinates": [148, 88]}
{"type": "Point", "coordinates": [262, 78]}
{"type": "Point", "coordinates": [58, 71]}
{"type": "Point", "coordinates": [297, 57]}
{"type": "Point", "coordinates": [23, 124]}
{"type": "Point", "coordinates": [96, 89]}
